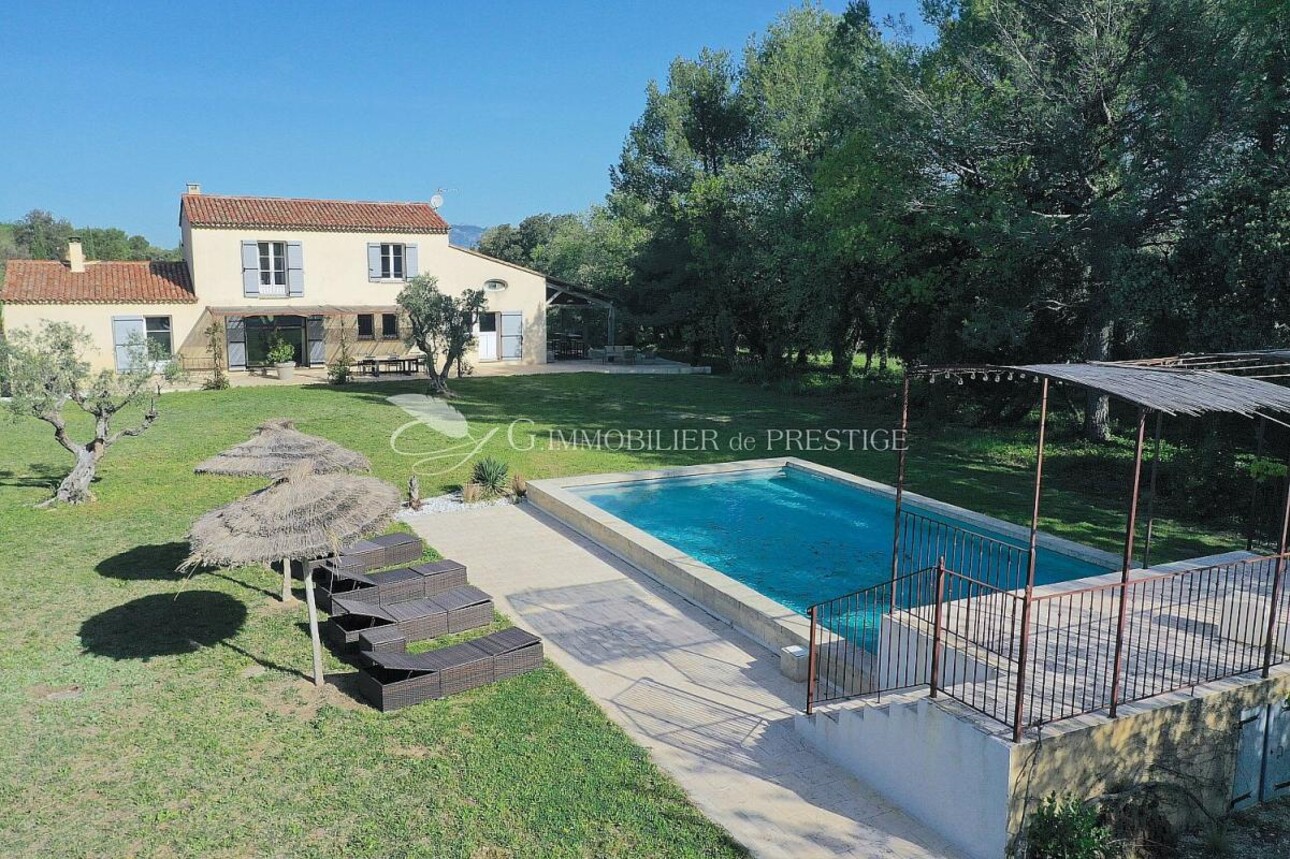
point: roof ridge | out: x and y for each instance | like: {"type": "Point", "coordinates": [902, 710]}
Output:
{"type": "Point", "coordinates": [310, 200]}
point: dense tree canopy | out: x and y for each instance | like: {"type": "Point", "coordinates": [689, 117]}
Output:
{"type": "Point", "coordinates": [39, 235]}
{"type": "Point", "coordinates": [1052, 180]}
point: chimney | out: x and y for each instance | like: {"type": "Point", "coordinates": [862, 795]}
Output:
{"type": "Point", "coordinates": [194, 188]}
{"type": "Point", "coordinates": [75, 254]}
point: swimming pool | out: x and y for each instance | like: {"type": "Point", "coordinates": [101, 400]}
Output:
{"type": "Point", "coordinates": [789, 533]}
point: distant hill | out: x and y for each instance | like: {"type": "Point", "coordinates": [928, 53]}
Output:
{"type": "Point", "coordinates": [465, 235]}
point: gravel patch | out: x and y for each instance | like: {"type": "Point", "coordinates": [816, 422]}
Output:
{"type": "Point", "coordinates": [451, 503]}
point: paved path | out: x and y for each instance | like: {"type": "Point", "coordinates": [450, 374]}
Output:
{"type": "Point", "coordinates": [708, 703]}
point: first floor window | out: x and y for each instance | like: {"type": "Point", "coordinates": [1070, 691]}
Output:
{"type": "Point", "coordinates": [157, 330]}
{"type": "Point", "coordinates": [366, 327]}
{"type": "Point", "coordinates": [273, 267]}
{"type": "Point", "coordinates": [392, 262]}
{"type": "Point", "coordinates": [389, 326]}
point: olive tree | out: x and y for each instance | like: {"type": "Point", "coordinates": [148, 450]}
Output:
{"type": "Point", "coordinates": [46, 374]}
{"type": "Point", "coordinates": [440, 325]}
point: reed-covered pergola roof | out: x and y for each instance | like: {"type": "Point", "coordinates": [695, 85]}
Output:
{"type": "Point", "coordinates": [1171, 390]}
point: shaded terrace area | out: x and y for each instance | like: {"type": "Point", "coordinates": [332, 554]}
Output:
{"type": "Point", "coordinates": [963, 613]}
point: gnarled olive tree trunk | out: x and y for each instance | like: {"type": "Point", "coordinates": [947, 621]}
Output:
{"type": "Point", "coordinates": [75, 487]}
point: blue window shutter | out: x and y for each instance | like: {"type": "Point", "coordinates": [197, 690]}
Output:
{"type": "Point", "coordinates": [295, 269]}
{"type": "Point", "coordinates": [236, 330]}
{"type": "Point", "coordinates": [373, 261]}
{"type": "Point", "coordinates": [251, 269]}
{"type": "Point", "coordinates": [123, 328]}
{"type": "Point", "coordinates": [410, 269]}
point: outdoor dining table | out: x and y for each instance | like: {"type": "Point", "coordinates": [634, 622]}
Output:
{"type": "Point", "coordinates": [375, 366]}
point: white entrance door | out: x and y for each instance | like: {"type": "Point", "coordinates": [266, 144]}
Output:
{"type": "Point", "coordinates": [486, 335]}
{"type": "Point", "coordinates": [512, 336]}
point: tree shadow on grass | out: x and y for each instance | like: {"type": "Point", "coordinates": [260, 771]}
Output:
{"type": "Point", "coordinates": [158, 562]}
{"type": "Point", "coordinates": [40, 475]}
{"type": "Point", "coordinates": [161, 562]}
{"type": "Point", "coordinates": [163, 625]}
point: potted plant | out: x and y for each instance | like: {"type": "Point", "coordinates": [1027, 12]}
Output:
{"type": "Point", "coordinates": [283, 356]}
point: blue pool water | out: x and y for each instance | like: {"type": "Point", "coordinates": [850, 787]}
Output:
{"type": "Point", "coordinates": [792, 535]}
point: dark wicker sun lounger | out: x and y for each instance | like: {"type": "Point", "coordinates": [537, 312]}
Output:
{"type": "Point", "coordinates": [456, 610]}
{"type": "Point", "coordinates": [467, 608]}
{"type": "Point", "coordinates": [424, 580]}
{"type": "Point", "coordinates": [380, 588]}
{"type": "Point", "coordinates": [399, 549]}
{"type": "Point", "coordinates": [394, 680]}
{"type": "Point", "coordinates": [367, 555]}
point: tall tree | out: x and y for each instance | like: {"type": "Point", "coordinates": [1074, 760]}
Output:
{"type": "Point", "coordinates": [41, 235]}
{"type": "Point", "coordinates": [526, 244]}
{"type": "Point", "coordinates": [1077, 131]}
{"type": "Point", "coordinates": [672, 168]}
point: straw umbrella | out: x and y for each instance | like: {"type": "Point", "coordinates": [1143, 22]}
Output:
{"type": "Point", "coordinates": [301, 516]}
{"type": "Point", "coordinates": [276, 447]}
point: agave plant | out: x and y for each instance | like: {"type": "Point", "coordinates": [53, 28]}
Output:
{"type": "Point", "coordinates": [491, 474]}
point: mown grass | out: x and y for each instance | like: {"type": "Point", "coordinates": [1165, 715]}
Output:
{"type": "Point", "coordinates": [153, 716]}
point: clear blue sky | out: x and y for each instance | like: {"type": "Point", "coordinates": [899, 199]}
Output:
{"type": "Point", "coordinates": [514, 107]}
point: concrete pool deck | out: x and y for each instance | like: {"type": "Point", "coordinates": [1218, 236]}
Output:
{"type": "Point", "coordinates": [707, 702]}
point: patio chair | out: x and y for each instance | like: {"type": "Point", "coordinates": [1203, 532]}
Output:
{"type": "Point", "coordinates": [394, 680]}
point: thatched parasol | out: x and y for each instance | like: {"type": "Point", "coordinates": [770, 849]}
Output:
{"type": "Point", "coordinates": [275, 449]}
{"type": "Point", "coordinates": [276, 446]}
{"type": "Point", "coordinates": [301, 516]}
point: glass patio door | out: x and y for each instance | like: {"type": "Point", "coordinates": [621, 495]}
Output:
{"type": "Point", "coordinates": [263, 331]}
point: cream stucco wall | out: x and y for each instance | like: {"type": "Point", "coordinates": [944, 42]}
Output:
{"type": "Point", "coordinates": [335, 273]}
{"type": "Point", "coordinates": [185, 320]}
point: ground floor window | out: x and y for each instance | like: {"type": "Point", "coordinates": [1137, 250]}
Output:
{"type": "Point", "coordinates": [154, 331]}
{"type": "Point", "coordinates": [366, 327]}
{"type": "Point", "coordinates": [389, 326]}
{"type": "Point", "coordinates": [157, 330]}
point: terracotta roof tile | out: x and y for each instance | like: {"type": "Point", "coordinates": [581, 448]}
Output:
{"type": "Point", "coordinates": [207, 210]}
{"type": "Point", "coordinates": [52, 282]}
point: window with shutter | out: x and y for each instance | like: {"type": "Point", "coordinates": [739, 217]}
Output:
{"type": "Point", "coordinates": [392, 262]}
{"type": "Point", "coordinates": [273, 269]}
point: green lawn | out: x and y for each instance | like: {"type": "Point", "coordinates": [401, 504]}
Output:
{"type": "Point", "coordinates": [148, 715]}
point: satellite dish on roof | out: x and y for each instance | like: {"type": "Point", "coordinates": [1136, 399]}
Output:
{"type": "Point", "coordinates": [436, 200]}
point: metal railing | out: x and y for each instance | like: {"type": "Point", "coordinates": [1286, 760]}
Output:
{"type": "Point", "coordinates": [923, 539]}
{"type": "Point", "coordinates": [1086, 649]}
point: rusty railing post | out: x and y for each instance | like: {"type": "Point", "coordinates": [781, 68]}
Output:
{"type": "Point", "coordinates": [1254, 489]}
{"type": "Point", "coordinates": [935, 679]}
{"type": "Point", "coordinates": [810, 664]}
{"type": "Point", "coordinates": [1151, 496]}
{"type": "Point", "coordinates": [1118, 666]}
{"type": "Point", "coordinates": [1023, 647]}
{"type": "Point", "coordinates": [900, 484]}
{"type": "Point", "coordinates": [1278, 570]}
